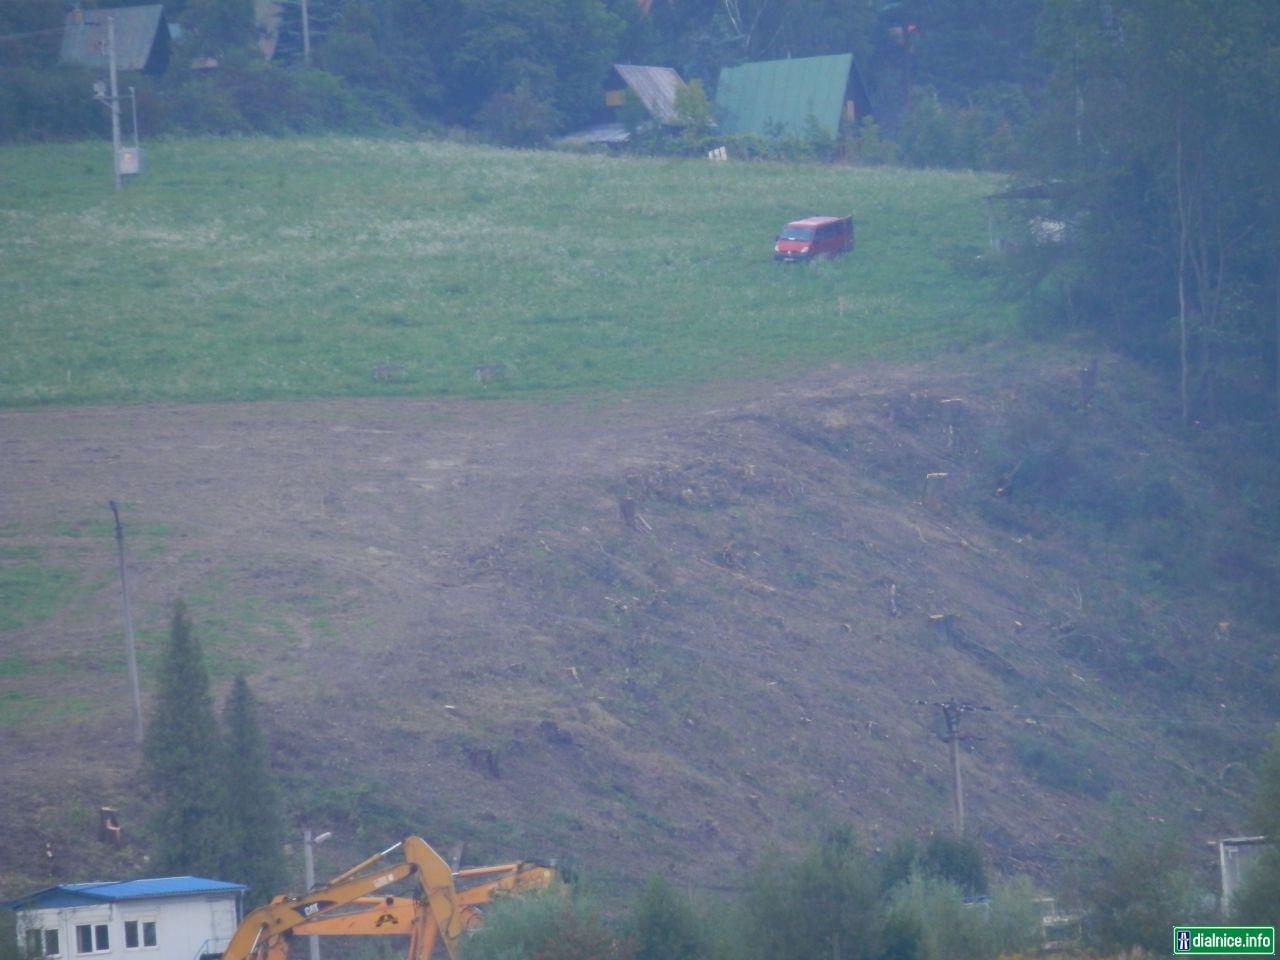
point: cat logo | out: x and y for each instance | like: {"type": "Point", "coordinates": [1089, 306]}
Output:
{"type": "Point", "coordinates": [386, 918]}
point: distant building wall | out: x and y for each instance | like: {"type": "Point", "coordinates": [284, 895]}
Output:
{"type": "Point", "coordinates": [178, 928]}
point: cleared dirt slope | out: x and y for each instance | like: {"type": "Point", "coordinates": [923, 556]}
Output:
{"type": "Point", "coordinates": [656, 634]}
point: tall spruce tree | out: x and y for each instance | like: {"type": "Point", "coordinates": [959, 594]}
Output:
{"type": "Point", "coordinates": [183, 756]}
{"type": "Point", "coordinates": [256, 827]}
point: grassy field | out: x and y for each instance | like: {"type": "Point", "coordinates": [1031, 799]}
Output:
{"type": "Point", "coordinates": [340, 267]}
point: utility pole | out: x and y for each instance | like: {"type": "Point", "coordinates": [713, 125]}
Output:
{"type": "Point", "coordinates": [306, 57]}
{"type": "Point", "coordinates": [129, 650]}
{"type": "Point", "coordinates": [952, 711]}
{"type": "Point", "coordinates": [115, 100]}
{"type": "Point", "coordinates": [309, 866]}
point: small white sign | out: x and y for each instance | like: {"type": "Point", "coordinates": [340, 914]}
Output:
{"type": "Point", "coordinates": [130, 161]}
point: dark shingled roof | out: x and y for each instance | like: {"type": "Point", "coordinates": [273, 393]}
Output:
{"type": "Point", "coordinates": [142, 38]}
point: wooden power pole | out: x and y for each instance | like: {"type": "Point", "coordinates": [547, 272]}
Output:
{"type": "Point", "coordinates": [129, 649]}
{"type": "Point", "coordinates": [952, 712]}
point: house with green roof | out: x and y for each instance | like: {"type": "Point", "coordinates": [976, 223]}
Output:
{"type": "Point", "coordinates": [784, 97]}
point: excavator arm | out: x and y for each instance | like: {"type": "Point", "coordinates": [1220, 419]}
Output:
{"type": "Point", "coordinates": [284, 913]}
{"type": "Point", "coordinates": [409, 916]}
{"type": "Point", "coordinates": [346, 906]}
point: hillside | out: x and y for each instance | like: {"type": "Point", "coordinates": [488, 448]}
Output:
{"type": "Point", "coordinates": [265, 269]}
{"type": "Point", "coordinates": [674, 591]}
{"type": "Point", "coordinates": [455, 631]}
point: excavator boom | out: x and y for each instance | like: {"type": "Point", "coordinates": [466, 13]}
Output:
{"type": "Point", "coordinates": [347, 904]}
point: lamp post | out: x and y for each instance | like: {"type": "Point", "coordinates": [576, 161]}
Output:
{"type": "Point", "coordinates": [309, 865]}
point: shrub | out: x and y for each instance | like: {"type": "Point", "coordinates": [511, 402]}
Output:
{"type": "Point", "coordinates": [957, 860]}
{"type": "Point", "coordinates": [928, 918]}
{"type": "Point", "coordinates": [823, 907]}
{"type": "Point", "coordinates": [1061, 766]}
{"type": "Point", "coordinates": [519, 118]}
{"type": "Point", "coordinates": [1131, 882]}
{"type": "Point", "coordinates": [544, 926]}
{"type": "Point", "coordinates": [42, 103]}
{"type": "Point", "coordinates": [663, 926]}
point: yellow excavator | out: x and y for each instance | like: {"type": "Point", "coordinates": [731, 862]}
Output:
{"type": "Point", "coordinates": [350, 905]}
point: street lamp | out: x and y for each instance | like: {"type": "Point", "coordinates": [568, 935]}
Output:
{"type": "Point", "coordinates": [309, 865]}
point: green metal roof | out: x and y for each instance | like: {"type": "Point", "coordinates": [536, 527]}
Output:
{"type": "Point", "coordinates": [771, 94]}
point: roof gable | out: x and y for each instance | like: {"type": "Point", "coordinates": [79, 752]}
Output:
{"type": "Point", "coordinates": [781, 95]}
{"type": "Point", "coordinates": [656, 87]}
{"type": "Point", "coordinates": [138, 32]}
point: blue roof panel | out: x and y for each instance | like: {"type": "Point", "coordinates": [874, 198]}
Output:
{"type": "Point", "coordinates": [80, 894]}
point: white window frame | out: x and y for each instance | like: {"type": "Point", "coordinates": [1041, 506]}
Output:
{"type": "Point", "coordinates": [140, 932]}
{"type": "Point", "coordinates": [57, 936]}
{"type": "Point", "coordinates": [94, 940]}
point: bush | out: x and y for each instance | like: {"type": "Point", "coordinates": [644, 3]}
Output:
{"type": "Point", "coordinates": [519, 118]}
{"type": "Point", "coordinates": [1062, 767]}
{"type": "Point", "coordinates": [929, 919]}
{"type": "Point", "coordinates": [956, 860]}
{"type": "Point", "coordinates": [41, 103]}
{"type": "Point", "coordinates": [663, 926]}
{"type": "Point", "coordinates": [823, 907]}
{"type": "Point", "coordinates": [1132, 883]}
{"type": "Point", "coordinates": [544, 926]}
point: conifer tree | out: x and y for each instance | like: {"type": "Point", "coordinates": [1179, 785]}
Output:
{"type": "Point", "coordinates": [256, 827]}
{"type": "Point", "coordinates": [183, 754]}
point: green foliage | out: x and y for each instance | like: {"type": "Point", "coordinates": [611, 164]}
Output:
{"type": "Point", "coordinates": [928, 919]}
{"type": "Point", "coordinates": [663, 925]}
{"type": "Point", "coordinates": [1265, 812]}
{"type": "Point", "coordinates": [255, 838]}
{"type": "Point", "coordinates": [545, 926]}
{"type": "Point", "coordinates": [518, 118]}
{"type": "Point", "coordinates": [693, 110]}
{"type": "Point", "coordinates": [1062, 766]}
{"type": "Point", "coordinates": [824, 906]}
{"type": "Point", "coordinates": [217, 28]}
{"type": "Point", "coordinates": [1159, 121]}
{"type": "Point", "coordinates": [1258, 902]}
{"type": "Point", "coordinates": [1132, 880]}
{"type": "Point", "coordinates": [870, 145]}
{"type": "Point", "coordinates": [184, 761]}
{"type": "Point", "coordinates": [942, 856]}
{"type": "Point", "coordinates": [10, 949]}
{"type": "Point", "coordinates": [37, 103]}
{"type": "Point", "coordinates": [32, 592]}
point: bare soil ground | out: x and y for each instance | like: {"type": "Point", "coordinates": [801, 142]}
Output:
{"type": "Point", "coordinates": [655, 633]}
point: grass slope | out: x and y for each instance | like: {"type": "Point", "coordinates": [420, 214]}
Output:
{"type": "Point", "coordinates": [341, 267]}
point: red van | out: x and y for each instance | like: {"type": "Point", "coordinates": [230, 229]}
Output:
{"type": "Point", "coordinates": [814, 237]}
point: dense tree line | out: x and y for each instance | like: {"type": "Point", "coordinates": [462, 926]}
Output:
{"type": "Point", "coordinates": [219, 812]}
{"type": "Point", "coordinates": [462, 62]}
{"type": "Point", "coordinates": [1158, 132]}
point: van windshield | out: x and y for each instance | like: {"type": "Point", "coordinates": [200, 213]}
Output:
{"type": "Point", "coordinates": [796, 233]}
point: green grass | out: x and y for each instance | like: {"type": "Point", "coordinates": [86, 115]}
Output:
{"type": "Point", "coordinates": [32, 591]}
{"type": "Point", "coordinates": [267, 268]}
